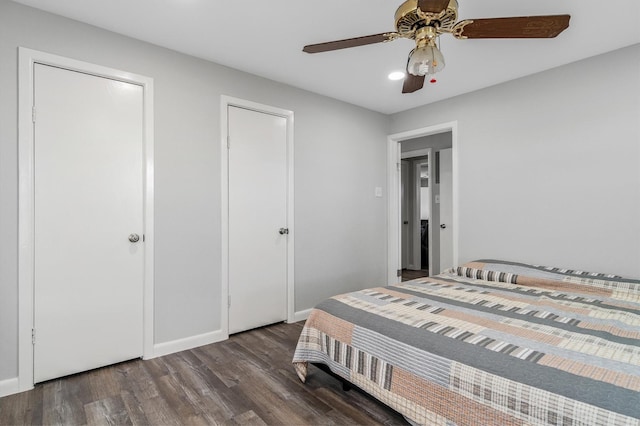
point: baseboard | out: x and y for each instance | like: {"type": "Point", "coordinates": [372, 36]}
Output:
{"type": "Point", "coordinates": [187, 343]}
{"type": "Point", "coordinates": [9, 386]}
{"type": "Point", "coordinates": [301, 315]}
{"type": "Point", "coordinates": [12, 386]}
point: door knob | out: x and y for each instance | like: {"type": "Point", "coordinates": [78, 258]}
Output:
{"type": "Point", "coordinates": [283, 231]}
{"type": "Point", "coordinates": [443, 226]}
{"type": "Point", "coordinates": [134, 238]}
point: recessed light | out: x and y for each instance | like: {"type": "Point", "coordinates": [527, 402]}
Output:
{"type": "Point", "coordinates": [396, 75]}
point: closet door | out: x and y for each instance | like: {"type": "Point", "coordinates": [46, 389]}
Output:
{"type": "Point", "coordinates": [89, 250]}
{"type": "Point", "coordinates": [258, 237]}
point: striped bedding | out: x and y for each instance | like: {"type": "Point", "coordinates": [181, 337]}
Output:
{"type": "Point", "coordinates": [488, 343]}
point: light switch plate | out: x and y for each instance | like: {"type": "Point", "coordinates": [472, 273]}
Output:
{"type": "Point", "coordinates": [378, 192]}
{"type": "Point", "coordinates": [437, 199]}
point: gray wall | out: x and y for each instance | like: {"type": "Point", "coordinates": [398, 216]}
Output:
{"type": "Point", "coordinates": [549, 165]}
{"type": "Point", "coordinates": [437, 142]}
{"type": "Point", "coordinates": [339, 246]}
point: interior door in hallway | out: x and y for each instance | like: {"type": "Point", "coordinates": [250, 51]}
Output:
{"type": "Point", "coordinates": [258, 233]}
{"type": "Point", "coordinates": [407, 241]}
{"type": "Point", "coordinates": [89, 253]}
{"type": "Point", "coordinates": [446, 209]}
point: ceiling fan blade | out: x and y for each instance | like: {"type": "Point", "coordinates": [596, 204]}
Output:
{"type": "Point", "coordinates": [518, 27]}
{"type": "Point", "coordinates": [412, 83]}
{"type": "Point", "coordinates": [432, 6]}
{"type": "Point", "coordinates": [349, 42]}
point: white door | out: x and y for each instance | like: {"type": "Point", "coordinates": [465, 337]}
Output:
{"type": "Point", "coordinates": [257, 219]}
{"type": "Point", "coordinates": [88, 199]}
{"type": "Point", "coordinates": [446, 209]}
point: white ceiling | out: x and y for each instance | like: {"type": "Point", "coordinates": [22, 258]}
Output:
{"type": "Point", "coordinates": [266, 37]}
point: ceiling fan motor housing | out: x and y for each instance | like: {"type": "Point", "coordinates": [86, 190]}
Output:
{"type": "Point", "coordinates": [410, 19]}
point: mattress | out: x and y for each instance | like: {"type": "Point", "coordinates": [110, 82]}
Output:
{"type": "Point", "coordinates": [488, 343]}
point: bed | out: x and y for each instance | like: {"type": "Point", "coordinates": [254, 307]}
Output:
{"type": "Point", "coordinates": [488, 343]}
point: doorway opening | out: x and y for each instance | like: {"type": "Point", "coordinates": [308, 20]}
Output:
{"type": "Point", "coordinates": [422, 233]}
{"type": "Point", "coordinates": [422, 211]}
{"type": "Point", "coordinates": [416, 208]}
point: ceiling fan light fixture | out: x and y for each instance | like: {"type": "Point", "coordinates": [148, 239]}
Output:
{"type": "Point", "coordinates": [425, 60]}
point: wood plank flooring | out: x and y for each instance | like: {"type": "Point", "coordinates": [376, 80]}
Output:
{"type": "Point", "coordinates": [408, 274]}
{"type": "Point", "coordinates": [246, 380]}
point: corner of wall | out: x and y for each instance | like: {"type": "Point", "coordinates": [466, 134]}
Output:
{"type": "Point", "coordinates": [179, 345]}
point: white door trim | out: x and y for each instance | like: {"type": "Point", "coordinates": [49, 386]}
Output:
{"type": "Point", "coordinates": [27, 58]}
{"type": "Point", "coordinates": [393, 223]}
{"type": "Point", "coordinates": [416, 153]}
{"type": "Point", "coordinates": [225, 102]}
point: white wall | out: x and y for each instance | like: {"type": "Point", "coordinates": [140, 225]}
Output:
{"type": "Point", "coordinates": [339, 246]}
{"type": "Point", "coordinates": [550, 165]}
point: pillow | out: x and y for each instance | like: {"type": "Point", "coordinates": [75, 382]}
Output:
{"type": "Point", "coordinates": [552, 278]}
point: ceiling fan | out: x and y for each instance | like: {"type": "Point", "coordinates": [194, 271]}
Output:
{"type": "Point", "coordinates": [425, 20]}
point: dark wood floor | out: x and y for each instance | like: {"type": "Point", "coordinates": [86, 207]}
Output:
{"type": "Point", "coordinates": [408, 274]}
{"type": "Point", "coordinates": [247, 379]}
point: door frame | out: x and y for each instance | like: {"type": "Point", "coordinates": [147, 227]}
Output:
{"type": "Point", "coordinates": [27, 58]}
{"type": "Point", "coordinates": [393, 161]}
{"type": "Point", "coordinates": [225, 103]}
